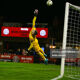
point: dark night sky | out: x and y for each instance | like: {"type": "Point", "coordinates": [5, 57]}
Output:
{"type": "Point", "coordinates": [22, 10]}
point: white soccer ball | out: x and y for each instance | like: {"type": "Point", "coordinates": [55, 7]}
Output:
{"type": "Point", "coordinates": [49, 2]}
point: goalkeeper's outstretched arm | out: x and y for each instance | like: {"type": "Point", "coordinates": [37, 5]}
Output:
{"type": "Point", "coordinates": [33, 24]}
{"type": "Point", "coordinates": [34, 21]}
{"type": "Point", "coordinates": [35, 17]}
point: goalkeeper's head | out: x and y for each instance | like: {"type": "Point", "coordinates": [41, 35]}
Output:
{"type": "Point", "coordinates": [34, 32]}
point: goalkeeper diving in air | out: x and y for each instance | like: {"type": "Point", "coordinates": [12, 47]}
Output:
{"type": "Point", "coordinates": [34, 41]}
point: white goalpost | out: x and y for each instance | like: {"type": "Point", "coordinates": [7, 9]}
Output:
{"type": "Point", "coordinates": [70, 64]}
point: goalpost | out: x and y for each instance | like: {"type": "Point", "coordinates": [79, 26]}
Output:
{"type": "Point", "coordinates": [70, 64]}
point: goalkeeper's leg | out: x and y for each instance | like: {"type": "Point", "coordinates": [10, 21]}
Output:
{"type": "Point", "coordinates": [43, 52]}
{"type": "Point", "coordinates": [43, 57]}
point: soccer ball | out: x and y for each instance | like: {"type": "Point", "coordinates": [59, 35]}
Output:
{"type": "Point", "coordinates": [49, 2]}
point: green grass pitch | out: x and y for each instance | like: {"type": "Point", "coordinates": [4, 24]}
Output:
{"type": "Point", "coordinates": [26, 71]}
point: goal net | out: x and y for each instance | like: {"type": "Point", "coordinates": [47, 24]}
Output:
{"type": "Point", "coordinates": [71, 42]}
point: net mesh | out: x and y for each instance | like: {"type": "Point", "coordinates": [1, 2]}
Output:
{"type": "Point", "coordinates": [72, 68]}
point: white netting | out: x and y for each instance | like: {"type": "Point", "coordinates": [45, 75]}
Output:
{"type": "Point", "coordinates": [72, 61]}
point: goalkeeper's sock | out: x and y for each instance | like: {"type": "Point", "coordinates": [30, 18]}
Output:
{"type": "Point", "coordinates": [46, 61]}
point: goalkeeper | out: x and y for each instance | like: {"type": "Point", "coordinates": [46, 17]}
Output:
{"type": "Point", "coordinates": [34, 41]}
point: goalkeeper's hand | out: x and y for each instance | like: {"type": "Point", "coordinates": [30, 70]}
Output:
{"type": "Point", "coordinates": [29, 51]}
{"type": "Point", "coordinates": [36, 12]}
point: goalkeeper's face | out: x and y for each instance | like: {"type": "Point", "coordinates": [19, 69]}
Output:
{"type": "Point", "coordinates": [34, 32]}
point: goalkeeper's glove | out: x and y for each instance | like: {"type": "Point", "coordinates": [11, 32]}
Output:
{"type": "Point", "coordinates": [36, 12]}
